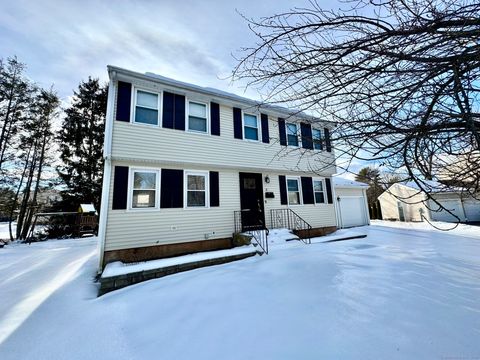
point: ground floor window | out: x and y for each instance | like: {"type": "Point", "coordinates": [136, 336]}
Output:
{"type": "Point", "coordinates": [196, 189]}
{"type": "Point", "coordinates": [144, 189]}
{"type": "Point", "coordinates": [293, 187]}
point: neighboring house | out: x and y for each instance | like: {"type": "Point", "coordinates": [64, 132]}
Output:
{"type": "Point", "coordinates": [352, 203]}
{"type": "Point", "coordinates": [181, 159]}
{"type": "Point", "coordinates": [406, 202]}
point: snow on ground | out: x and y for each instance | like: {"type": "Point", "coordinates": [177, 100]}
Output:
{"type": "Point", "coordinates": [396, 294]}
{"type": "Point", "coordinates": [439, 226]}
{"type": "Point", "coordinates": [4, 232]}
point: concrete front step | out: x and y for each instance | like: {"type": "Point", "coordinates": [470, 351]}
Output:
{"type": "Point", "coordinates": [118, 277]}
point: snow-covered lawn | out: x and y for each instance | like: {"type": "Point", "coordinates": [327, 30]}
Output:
{"type": "Point", "coordinates": [396, 294]}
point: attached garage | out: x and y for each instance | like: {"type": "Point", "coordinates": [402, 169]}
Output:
{"type": "Point", "coordinates": [351, 203]}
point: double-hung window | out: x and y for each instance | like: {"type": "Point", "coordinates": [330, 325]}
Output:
{"type": "Point", "coordinates": [196, 188]}
{"type": "Point", "coordinates": [146, 108]}
{"type": "Point", "coordinates": [317, 139]}
{"type": "Point", "coordinates": [293, 187]}
{"type": "Point", "coordinates": [319, 191]}
{"type": "Point", "coordinates": [292, 135]}
{"type": "Point", "coordinates": [250, 126]}
{"type": "Point", "coordinates": [144, 189]}
{"type": "Point", "coordinates": [197, 117]}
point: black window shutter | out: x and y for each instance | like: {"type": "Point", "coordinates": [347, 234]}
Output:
{"type": "Point", "coordinates": [120, 188]}
{"type": "Point", "coordinates": [283, 190]}
{"type": "Point", "coordinates": [282, 131]}
{"type": "Point", "coordinates": [328, 184]}
{"type": "Point", "coordinates": [215, 119]}
{"type": "Point", "coordinates": [179, 118]}
{"type": "Point", "coordinates": [214, 189]}
{"type": "Point", "coordinates": [328, 143]}
{"type": "Point", "coordinates": [307, 190]}
{"type": "Point", "coordinates": [124, 98]}
{"type": "Point", "coordinates": [265, 132]}
{"type": "Point", "coordinates": [306, 131]}
{"type": "Point", "coordinates": [171, 193]}
{"type": "Point", "coordinates": [168, 109]}
{"type": "Point", "coordinates": [237, 123]}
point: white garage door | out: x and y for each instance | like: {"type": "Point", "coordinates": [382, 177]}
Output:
{"type": "Point", "coordinates": [472, 209]}
{"type": "Point", "coordinates": [455, 206]}
{"type": "Point", "coordinates": [352, 209]}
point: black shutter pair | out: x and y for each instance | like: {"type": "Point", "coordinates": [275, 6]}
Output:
{"type": "Point", "coordinates": [307, 139]}
{"type": "Point", "coordinates": [238, 130]}
{"type": "Point", "coordinates": [171, 190]}
{"type": "Point", "coordinates": [306, 132]}
{"type": "Point", "coordinates": [173, 111]}
{"type": "Point", "coordinates": [307, 190]}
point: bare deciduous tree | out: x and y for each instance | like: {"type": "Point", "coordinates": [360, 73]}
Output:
{"type": "Point", "coordinates": [399, 77]}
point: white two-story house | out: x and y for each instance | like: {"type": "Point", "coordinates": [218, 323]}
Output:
{"type": "Point", "coordinates": [181, 159]}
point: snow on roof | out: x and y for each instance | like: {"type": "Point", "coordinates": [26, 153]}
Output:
{"type": "Point", "coordinates": [342, 182]}
{"type": "Point", "coordinates": [87, 208]}
{"type": "Point", "coordinates": [218, 93]}
{"type": "Point", "coordinates": [431, 186]}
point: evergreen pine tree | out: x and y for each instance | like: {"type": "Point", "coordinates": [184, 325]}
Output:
{"type": "Point", "coordinates": [81, 145]}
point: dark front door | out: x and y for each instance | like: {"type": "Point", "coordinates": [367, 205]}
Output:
{"type": "Point", "coordinates": [251, 201]}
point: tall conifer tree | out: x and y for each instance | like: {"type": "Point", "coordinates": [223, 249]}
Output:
{"type": "Point", "coordinates": [81, 145]}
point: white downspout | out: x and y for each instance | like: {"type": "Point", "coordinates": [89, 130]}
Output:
{"type": "Point", "coordinates": [335, 205]}
{"type": "Point", "coordinates": [107, 170]}
{"type": "Point", "coordinates": [365, 202]}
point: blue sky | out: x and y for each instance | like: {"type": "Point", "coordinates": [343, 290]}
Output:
{"type": "Point", "coordinates": [63, 42]}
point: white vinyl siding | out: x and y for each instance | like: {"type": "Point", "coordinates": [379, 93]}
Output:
{"type": "Point", "coordinates": [130, 229]}
{"type": "Point", "coordinates": [155, 144]}
{"type": "Point", "coordinates": [147, 108]}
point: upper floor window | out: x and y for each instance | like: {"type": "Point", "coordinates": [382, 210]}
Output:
{"type": "Point", "coordinates": [317, 139]}
{"type": "Point", "coordinates": [250, 126]}
{"type": "Point", "coordinates": [144, 189]}
{"type": "Point", "coordinates": [319, 191]}
{"type": "Point", "coordinates": [196, 189]}
{"type": "Point", "coordinates": [197, 117]}
{"type": "Point", "coordinates": [293, 187]}
{"type": "Point", "coordinates": [292, 135]}
{"type": "Point", "coordinates": [146, 107]}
